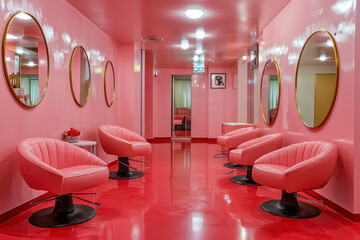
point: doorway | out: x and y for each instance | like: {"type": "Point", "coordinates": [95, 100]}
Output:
{"type": "Point", "coordinates": [181, 106]}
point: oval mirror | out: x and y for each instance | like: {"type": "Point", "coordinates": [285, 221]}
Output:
{"type": "Point", "coordinates": [109, 83]}
{"type": "Point", "coordinates": [316, 78]}
{"type": "Point", "coordinates": [270, 91]}
{"type": "Point", "coordinates": [80, 76]}
{"type": "Point", "coordinates": [25, 58]}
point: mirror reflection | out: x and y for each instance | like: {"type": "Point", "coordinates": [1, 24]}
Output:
{"type": "Point", "coordinates": [316, 78]}
{"type": "Point", "coordinates": [109, 82]}
{"type": "Point", "coordinates": [80, 76]}
{"type": "Point", "coordinates": [25, 59]}
{"type": "Point", "coordinates": [270, 91]}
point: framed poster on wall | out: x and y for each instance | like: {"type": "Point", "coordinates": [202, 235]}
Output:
{"type": "Point", "coordinates": [218, 80]}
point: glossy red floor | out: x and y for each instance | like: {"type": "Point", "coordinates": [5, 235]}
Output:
{"type": "Point", "coordinates": [185, 195]}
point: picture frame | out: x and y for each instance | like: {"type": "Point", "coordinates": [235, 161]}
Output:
{"type": "Point", "coordinates": [218, 81]}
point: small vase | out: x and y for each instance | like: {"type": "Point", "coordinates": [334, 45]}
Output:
{"type": "Point", "coordinates": [72, 139]}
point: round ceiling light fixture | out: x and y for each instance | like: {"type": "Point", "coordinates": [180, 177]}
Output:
{"type": "Point", "coordinates": [184, 44]}
{"type": "Point", "coordinates": [194, 13]}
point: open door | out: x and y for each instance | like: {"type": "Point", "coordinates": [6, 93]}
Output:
{"type": "Point", "coordinates": [181, 106]}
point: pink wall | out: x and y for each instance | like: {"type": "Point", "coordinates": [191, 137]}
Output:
{"type": "Point", "coordinates": [356, 70]}
{"type": "Point", "coordinates": [282, 39]}
{"type": "Point", "coordinates": [210, 107]}
{"type": "Point", "coordinates": [128, 87]}
{"type": "Point", "coordinates": [64, 28]}
{"type": "Point", "coordinates": [149, 96]}
{"type": "Point", "coordinates": [222, 103]}
{"type": "Point", "coordinates": [199, 100]}
{"type": "Point", "coordinates": [162, 103]}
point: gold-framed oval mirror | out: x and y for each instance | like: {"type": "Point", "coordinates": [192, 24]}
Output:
{"type": "Point", "coordinates": [270, 91]}
{"type": "Point", "coordinates": [317, 78]}
{"type": "Point", "coordinates": [25, 58]}
{"type": "Point", "coordinates": [80, 75]}
{"type": "Point", "coordinates": [109, 83]}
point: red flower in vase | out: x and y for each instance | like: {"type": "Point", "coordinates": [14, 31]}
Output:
{"type": "Point", "coordinates": [73, 132]}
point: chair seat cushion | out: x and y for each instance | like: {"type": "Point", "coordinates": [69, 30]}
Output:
{"type": "Point", "coordinates": [235, 156]}
{"type": "Point", "coordinates": [80, 177]}
{"type": "Point", "coordinates": [140, 148]}
{"type": "Point", "coordinates": [222, 140]}
{"type": "Point", "coordinates": [270, 175]}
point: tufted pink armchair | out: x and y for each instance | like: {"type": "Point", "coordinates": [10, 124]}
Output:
{"type": "Point", "coordinates": [123, 143]}
{"type": "Point", "coordinates": [298, 167]}
{"type": "Point", "coordinates": [247, 152]}
{"type": "Point", "coordinates": [62, 169]}
{"type": "Point", "coordinates": [233, 139]}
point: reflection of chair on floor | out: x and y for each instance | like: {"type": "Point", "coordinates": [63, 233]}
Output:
{"type": "Point", "coordinates": [124, 144]}
{"type": "Point", "coordinates": [298, 167]}
{"type": "Point", "coordinates": [233, 139]}
{"type": "Point", "coordinates": [60, 168]}
{"type": "Point", "coordinates": [246, 154]}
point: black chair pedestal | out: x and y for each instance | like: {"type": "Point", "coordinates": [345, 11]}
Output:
{"type": "Point", "coordinates": [290, 207]}
{"type": "Point", "coordinates": [64, 213]}
{"type": "Point", "coordinates": [234, 165]}
{"type": "Point", "coordinates": [245, 179]}
{"type": "Point", "coordinates": [123, 171]}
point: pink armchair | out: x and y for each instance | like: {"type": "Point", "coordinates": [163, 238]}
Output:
{"type": "Point", "coordinates": [298, 167]}
{"type": "Point", "coordinates": [246, 154]}
{"type": "Point", "coordinates": [62, 169]}
{"type": "Point", "coordinates": [233, 139]}
{"type": "Point", "coordinates": [124, 144]}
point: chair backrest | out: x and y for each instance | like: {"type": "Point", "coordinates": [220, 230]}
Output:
{"type": "Point", "coordinates": [55, 153]}
{"type": "Point", "coordinates": [272, 139]}
{"type": "Point", "coordinates": [121, 133]}
{"type": "Point", "coordinates": [296, 153]}
{"type": "Point", "coordinates": [182, 111]}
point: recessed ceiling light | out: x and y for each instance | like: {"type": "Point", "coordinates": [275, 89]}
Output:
{"type": "Point", "coordinates": [196, 58]}
{"type": "Point", "coordinates": [199, 51]}
{"type": "Point", "coordinates": [244, 57]}
{"type": "Point", "coordinates": [8, 59]}
{"type": "Point", "coordinates": [322, 57]}
{"type": "Point", "coordinates": [19, 51]}
{"type": "Point", "coordinates": [23, 16]}
{"type": "Point", "coordinates": [194, 13]}
{"type": "Point", "coordinates": [200, 33]}
{"type": "Point", "coordinates": [10, 36]}
{"type": "Point", "coordinates": [31, 64]}
{"type": "Point", "coordinates": [330, 43]}
{"type": "Point", "coordinates": [184, 44]}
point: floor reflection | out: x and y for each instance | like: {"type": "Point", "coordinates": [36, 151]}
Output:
{"type": "Point", "coordinates": [186, 194]}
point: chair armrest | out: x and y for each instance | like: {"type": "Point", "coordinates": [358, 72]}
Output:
{"type": "Point", "coordinates": [238, 131]}
{"type": "Point", "coordinates": [235, 140]}
{"type": "Point", "coordinates": [132, 136]}
{"type": "Point", "coordinates": [80, 156]}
